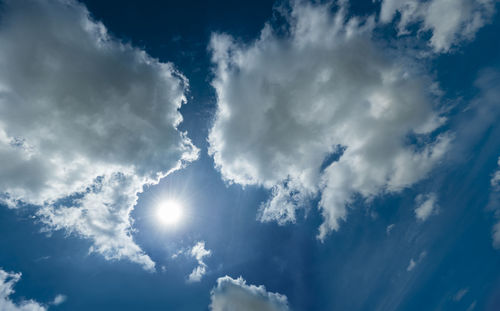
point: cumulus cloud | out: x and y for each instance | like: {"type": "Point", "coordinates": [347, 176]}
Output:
{"type": "Point", "coordinates": [85, 122]}
{"type": "Point", "coordinates": [199, 253]}
{"type": "Point", "coordinates": [450, 22]}
{"type": "Point", "coordinates": [234, 294]}
{"type": "Point", "coordinates": [426, 206]}
{"type": "Point", "coordinates": [319, 89]}
{"type": "Point", "coordinates": [7, 282]}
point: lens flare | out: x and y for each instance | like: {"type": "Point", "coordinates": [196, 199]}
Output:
{"type": "Point", "coordinates": [169, 212]}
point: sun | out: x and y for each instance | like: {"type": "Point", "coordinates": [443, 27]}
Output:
{"type": "Point", "coordinates": [169, 212]}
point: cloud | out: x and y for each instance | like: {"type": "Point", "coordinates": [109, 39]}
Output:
{"type": "Point", "coordinates": [234, 294]}
{"type": "Point", "coordinates": [389, 229]}
{"type": "Point", "coordinates": [495, 178]}
{"type": "Point", "coordinates": [426, 206]}
{"type": "Point", "coordinates": [411, 265]}
{"type": "Point", "coordinates": [482, 112]}
{"type": "Point", "coordinates": [319, 89]}
{"type": "Point", "coordinates": [85, 122]}
{"type": "Point", "coordinates": [460, 294]}
{"type": "Point", "coordinates": [472, 306]}
{"type": "Point", "coordinates": [479, 117]}
{"type": "Point", "coordinates": [199, 252]}
{"type": "Point", "coordinates": [59, 299]}
{"type": "Point", "coordinates": [7, 282]}
{"type": "Point", "coordinates": [413, 262]}
{"type": "Point", "coordinates": [450, 22]}
{"type": "Point", "coordinates": [494, 203]}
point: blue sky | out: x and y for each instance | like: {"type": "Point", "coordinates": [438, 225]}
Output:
{"type": "Point", "coordinates": [330, 155]}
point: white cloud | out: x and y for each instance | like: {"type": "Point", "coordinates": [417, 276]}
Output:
{"type": "Point", "coordinates": [199, 252]}
{"type": "Point", "coordinates": [234, 294]}
{"type": "Point", "coordinates": [426, 206]}
{"type": "Point", "coordinates": [197, 273]}
{"type": "Point", "coordinates": [414, 262]}
{"type": "Point", "coordinates": [389, 228]}
{"type": "Point", "coordinates": [7, 282]}
{"type": "Point", "coordinates": [59, 299]}
{"type": "Point", "coordinates": [411, 265]}
{"type": "Point", "coordinates": [450, 21]}
{"type": "Point", "coordinates": [85, 122]}
{"type": "Point", "coordinates": [286, 103]}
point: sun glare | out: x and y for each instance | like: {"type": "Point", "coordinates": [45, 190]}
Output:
{"type": "Point", "coordinates": [169, 212]}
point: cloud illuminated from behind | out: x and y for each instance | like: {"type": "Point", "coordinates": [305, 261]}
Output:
{"type": "Point", "coordinates": [84, 115]}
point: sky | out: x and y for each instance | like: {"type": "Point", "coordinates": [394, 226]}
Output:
{"type": "Point", "coordinates": [252, 155]}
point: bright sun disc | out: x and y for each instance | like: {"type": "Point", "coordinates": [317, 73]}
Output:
{"type": "Point", "coordinates": [169, 212]}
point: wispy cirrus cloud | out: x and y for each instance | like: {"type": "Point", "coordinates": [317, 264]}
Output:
{"type": "Point", "coordinates": [449, 22]}
{"type": "Point", "coordinates": [495, 203]}
{"type": "Point", "coordinates": [414, 262]}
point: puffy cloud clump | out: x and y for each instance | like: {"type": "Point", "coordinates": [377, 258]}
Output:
{"type": "Point", "coordinates": [318, 88]}
{"type": "Point", "coordinates": [234, 294]}
{"type": "Point", "coordinates": [85, 122]}
{"type": "Point", "coordinates": [199, 252]}
{"type": "Point", "coordinates": [7, 282]}
{"type": "Point", "coordinates": [450, 22]}
{"type": "Point", "coordinates": [426, 206]}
